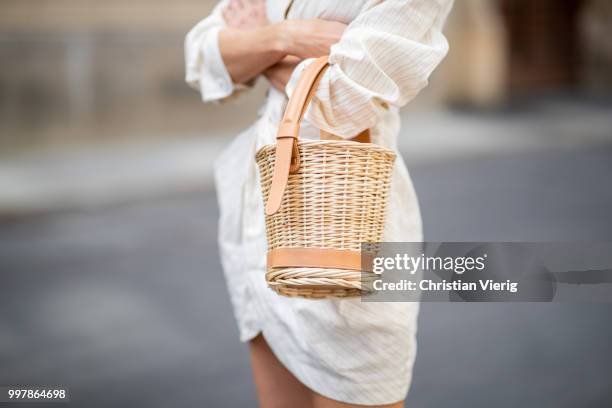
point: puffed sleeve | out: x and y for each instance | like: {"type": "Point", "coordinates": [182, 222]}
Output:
{"type": "Point", "coordinates": [205, 70]}
{"type": "Point", "coordinates": [383, 59]}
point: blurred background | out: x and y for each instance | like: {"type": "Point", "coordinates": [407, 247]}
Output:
{"type": "Point", "coordinates": [111, 283]}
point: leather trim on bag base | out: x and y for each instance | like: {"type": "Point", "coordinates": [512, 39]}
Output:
{"type": "Point", "coordinates": [318, 258]}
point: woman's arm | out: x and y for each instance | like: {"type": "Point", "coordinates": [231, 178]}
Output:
{"type": "Point", "coordinates": [236, 43]}
{"type": "Point", "coordinates": [278, 74]}
{"type": "Point", "coordinates": [248, 44]}
{"type": "Point", "coordinates": [249, 52]}
{"type": "Point", "coordinates": [383, 60]}
{"type": "Point", "coordinates": [204, 66]}
{"type": "Point", "coordinates": [303, 39]}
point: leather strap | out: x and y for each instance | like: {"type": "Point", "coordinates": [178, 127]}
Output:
{"type": "Point", "coordinates": [287, 153]}
{"type": "Point", "coordinates": [288, 130]}
{"type": "Point", "coordinates": [318, 258]}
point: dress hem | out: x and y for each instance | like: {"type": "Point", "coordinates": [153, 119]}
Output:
{"type": "Point", "coordinates": [355, 391]}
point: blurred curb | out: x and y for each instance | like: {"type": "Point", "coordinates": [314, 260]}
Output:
{"type": "Point", "coordinates": [102, 175]}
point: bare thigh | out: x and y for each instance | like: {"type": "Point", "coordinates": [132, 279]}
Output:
{"type": "Point", "coordinates": [278, 388]}
{"type": "Point", "coordinates": [320, 401]}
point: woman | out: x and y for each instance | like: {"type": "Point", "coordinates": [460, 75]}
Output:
{"type": "Point", "coordinates": [323, 353]}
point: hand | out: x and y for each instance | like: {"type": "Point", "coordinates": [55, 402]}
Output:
{"type": "Point", "coordinates": [310, 38]}
{"type": "Point", "coordinates": [246, 14]}
{"type": "Point", "coordinates": [278, 74]}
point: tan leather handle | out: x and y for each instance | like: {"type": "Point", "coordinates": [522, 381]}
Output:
{"type": "Point", "coordinates": [287, 154]}
{"type": "Point", "coordinates": [288, 130]}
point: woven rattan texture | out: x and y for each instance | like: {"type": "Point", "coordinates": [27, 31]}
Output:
{"type": "Point", "coordinates": [337, 199]}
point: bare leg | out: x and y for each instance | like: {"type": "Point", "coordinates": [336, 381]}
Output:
{"type": "Point", "coordinates": [276, 386]}
{"type": "Point", "coordinates": [320, 401]}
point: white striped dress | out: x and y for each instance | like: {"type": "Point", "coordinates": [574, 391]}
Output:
{"type": "Point", "coordinates": [346, 350]}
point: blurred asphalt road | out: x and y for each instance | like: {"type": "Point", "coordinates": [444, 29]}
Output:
{"type": "Point", "coordinates": [126, 304]}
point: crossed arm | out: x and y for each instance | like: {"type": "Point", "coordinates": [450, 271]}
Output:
{"type": "Point", "coordinates": [381, 60]}
{"type": "Point", "coordinates": [250, 46]}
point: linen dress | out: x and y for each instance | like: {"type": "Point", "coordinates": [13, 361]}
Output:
{"type": "Point", "coordinates": [346, 350]}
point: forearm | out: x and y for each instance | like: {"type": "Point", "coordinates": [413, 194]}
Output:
{"type": "Point", "coordinates": [278, 75]}
{"type": "Point", "coordinates": [247, 53]}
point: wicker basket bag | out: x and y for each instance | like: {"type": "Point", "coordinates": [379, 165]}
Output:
{"type": "Point", "coordinates": [323, 199]}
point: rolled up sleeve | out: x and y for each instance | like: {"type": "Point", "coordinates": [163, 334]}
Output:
{"type": "Point", "coordinates": [205, 70]}
{"type": "Point", "coordinates": [383, 59]}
